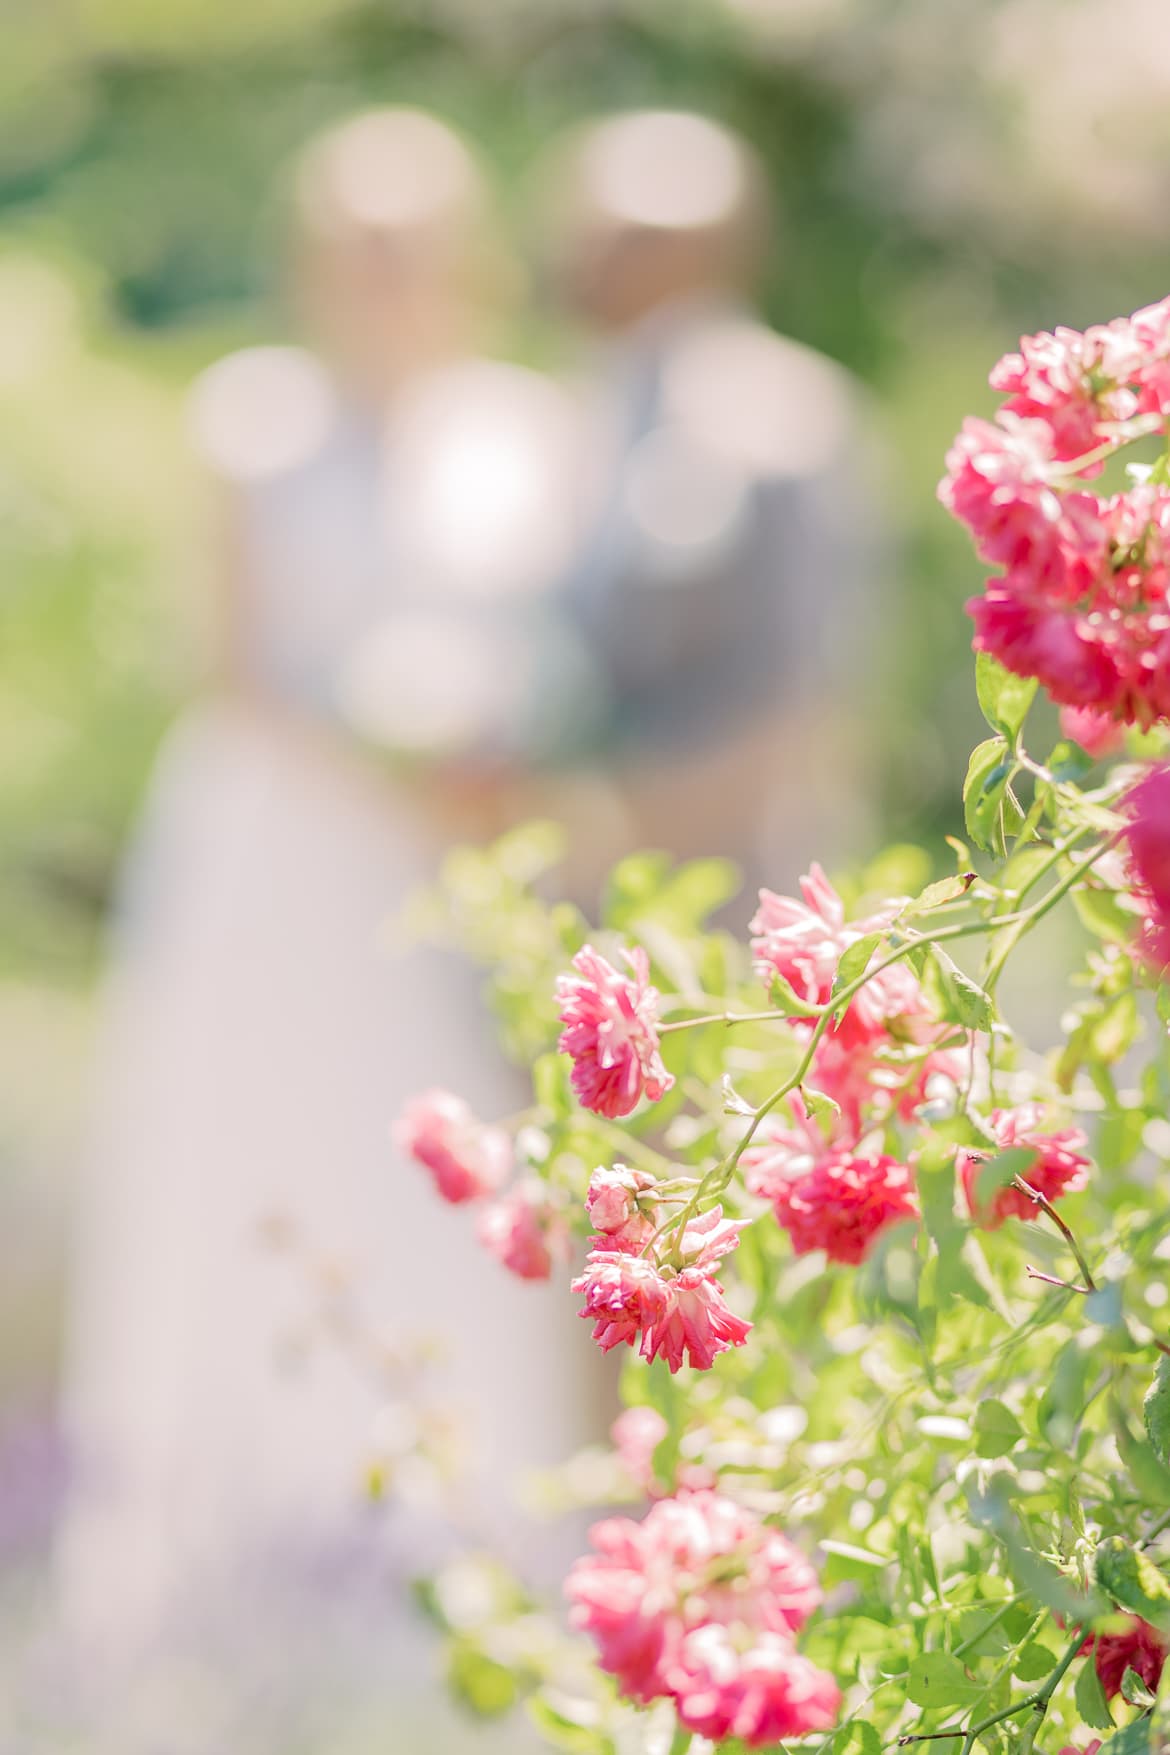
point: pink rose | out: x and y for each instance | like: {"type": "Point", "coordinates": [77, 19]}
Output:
{"type": "Point", "coordinates": [1059, 1166]}
{"type": "Point", "coordinates": [760, 1690]}
{"type": "Point", "coordinates": [699, 1603]}
{"type": "Point", "coordinates": [844, 1202]}
{"type": "Point", "coordinates": [466, 1157]}
{"type": "Point", "coordinates": [611, 1033]}
{"type": "Point", "coordinates": [525, 1232]}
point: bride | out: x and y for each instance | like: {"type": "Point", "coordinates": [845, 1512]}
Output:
{"type": "Point", "coordinates": [258, 1279]}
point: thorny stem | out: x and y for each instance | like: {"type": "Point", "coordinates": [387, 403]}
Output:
{"type": "Point", "coordinates": [728, 1018]}
{"type": "Point", "coordinates": [1052, 1280]}
{"type": "Point", "coordinates": [1049, 1211]}
{"type": "Point", "coordinates": [1038, 1701]}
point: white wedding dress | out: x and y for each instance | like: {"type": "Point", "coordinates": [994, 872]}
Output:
{"type": "Point", "coordinates": [257, 1044]}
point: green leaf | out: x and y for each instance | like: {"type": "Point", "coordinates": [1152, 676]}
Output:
{"type": "Point", "coordinates": [1000, 1169]}
{"type": "Point", "coordinates": [996, 1429]}
{"type": "Point", "coordinates": [949, 889]}
{"type": "Point", "coordinates": [1034, 1662]}
{"type": "Point", "coordinates": [1102, 914]}
{"type": "Point", "coordinates": [1068, 761]}
{"type": "Point", "coordinates": [964, 1001]}
{"type": "Point", "coordinates": [861, 1556]}
{"type": "Point", "coordinates": [1113, 1033]}
{"type": "Point", "coordinates": [569, 1724]}
{"type": "Point", "coordinates": [983, 789]}
{"type": "Point", "coordinates": [819, 1106]}
{"type": "Point", "coordinates": [1156, 1409]}
{"type": "Point", "coordinates": [1131, 1581]}
{"type": "Point", "coordinates": [1004, 698]}
{"type": "Point", "coordinates": [1089, 1698]}
{"type": "Point", "coordinates": [939, 1680]}
{"type": "Point", "coordinates": [1134, 1690]}
{"type": "Point", "coordinates": [786, 999]}
{"type": "Point", "coordinates": [936, 1191]}
{"type": "Point", "coordinates": [426, 1599]}
{"type": "Point", "coordinates": [1150, 1477]}
{"type": "Point", "coordinates": [485, 1687]}
{"type": "Point", "coordinates": [1133, 1740]}
{"type": "Point", "coordinates": [862, 1735]}
{"type": "Point", "coordinates": [854, 960]}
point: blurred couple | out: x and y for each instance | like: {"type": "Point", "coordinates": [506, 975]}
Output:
{"type": "Point", "coordinates": [452, 592]}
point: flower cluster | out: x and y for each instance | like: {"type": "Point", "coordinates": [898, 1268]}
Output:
{"type": "Point", "coordinates": [1082, 601]}
{"type": "Point", "coordinates": [865, 1101]}
{"type": "Point", "coordinates": [468, 1159]}
{"type": "Point", "coordinates": [610, 1030]}
{"type": "Point", "coordinates": [699, 1604]}
{"type": "Point", "coordinates": [833, 1187]}
{"type": "Point", "coordinates": [657, 1291]}
{"type": "Point", "coordinates": [1058, 1166]}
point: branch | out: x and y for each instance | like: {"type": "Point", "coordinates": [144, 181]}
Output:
{"type": "Point", "coordinates": [1047, 1208]}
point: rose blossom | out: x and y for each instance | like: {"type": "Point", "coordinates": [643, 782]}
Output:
{"type": "Point", "coordinates": [1002, 481]}
{"type": "Point", "coordinates": [759, 1689]}
{"type": "Point", "coordinates": [1059, 1166]}
{"type": "Point", "coordinates": [624, 1296]}
{"type": "Point", "coordinates": [673, 1308]}
{"type": "Point", "coordinates": [525, 1232]}
{"type": "Point", "coordinates": [1098, 734]}
{"type": "Point", "coordinates": [695, 1324]}
{"type": "Point", "coordinates": [466, 1157]}
{"type": "Point", "coordinates": [1073, 383]}
{"type": "Point", "coordinates": [783, 1150]}
{"type": "Point", "coordinates": [1139, 1648]}
{"type": "Point", "coordinates": [614, 1206]}
{"type": "Point", "coordinates": [802, 941]}
{"type": "Point", "coordinates": [1062, 647]}
{"type": "Point", "coordinates": [1148, 837]}
{"type": "Point", "coordinates": [611, 1032]}
{"type": "Point", "coordinates": [695, 1562]}
{"type": "Point", "coordinates": [844, 1202]}
{"type": "Point", "coordinates": [1084, 601]}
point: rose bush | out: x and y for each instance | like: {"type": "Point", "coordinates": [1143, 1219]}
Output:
{"type": "Point", "coordinates": [890, 1281]}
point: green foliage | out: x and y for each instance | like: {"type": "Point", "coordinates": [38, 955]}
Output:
{"type": "Point", "coordinates": [989, 805]}
{"type": "Point", "coordinates": [997, 1430]}
{"type": "Point", "coordinates": [1089, 1700]}
{"type": "Point", "coordinates": [1156, 1409]}
{"type": "Point", "coordinates": [946, 1418]}
{"type": "Point", "coordinates": [1004, 699]}
{"type": "Point", "coordinates": [1131, 1581]}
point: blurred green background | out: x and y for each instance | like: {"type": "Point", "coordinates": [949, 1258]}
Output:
{"type": "Point", "coordinates": [946, 176]}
